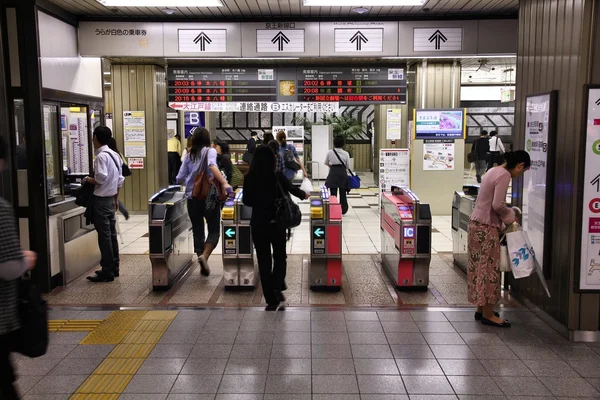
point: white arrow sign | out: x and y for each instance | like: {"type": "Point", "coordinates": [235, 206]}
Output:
{"type": "Point", "coordinates": [280, 41]}
{"type": "Point", "coordinates": [202, 40]}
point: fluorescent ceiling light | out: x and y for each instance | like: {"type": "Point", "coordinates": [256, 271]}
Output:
{"type": "Point", "coordinates": [358, 3]}
{"type": "Point", "coordinates": [161, 3]}
{"type": "Point", "coordinates": [236, 58]}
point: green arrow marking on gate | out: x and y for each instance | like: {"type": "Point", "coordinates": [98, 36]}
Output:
{"type": "Point", "coordinates": [230, 232]}
{"type": "Point", "coordinates": [319, 232]}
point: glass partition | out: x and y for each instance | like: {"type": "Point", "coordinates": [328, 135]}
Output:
{"type": "Point", "coordinates": [52, 151]}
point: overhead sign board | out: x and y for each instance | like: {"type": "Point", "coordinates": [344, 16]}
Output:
{"type": "Point", "coordinates": [207, 40]}
{"type": "Point", "coordinates": [263, 106]}
{"type": "Point", "coordinates": [202, 39]}
{"type": "Point", "coordinates": [437, 39]}
{"type": "Point", "coordinates": [120, 39]}
{"type": "Point", "coordinates": [358, 39]}
{"type": "Point", "coordinates": [282, 41]}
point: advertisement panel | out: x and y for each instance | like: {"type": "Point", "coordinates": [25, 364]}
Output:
{"type": "Point", "coordinates": [438, 155]}
{"type": "Point", "coordinates": [432, 124]}
{"type": "Point", "coordinates": [394, 169]}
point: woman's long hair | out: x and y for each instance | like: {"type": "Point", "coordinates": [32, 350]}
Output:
{"type": "Point", "coordinates": [200, 139]}
{"type": "Point", "coordinates": [262, 169]}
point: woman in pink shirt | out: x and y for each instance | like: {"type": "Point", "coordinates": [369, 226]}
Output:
{"type": "Point", "coordinates": [487, 220]}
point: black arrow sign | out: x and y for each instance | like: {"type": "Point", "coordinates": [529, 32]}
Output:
{"type": "Point", "coordinates": [280, 39]}
{"type": "Point", "coordinates": [203, 39]}
{"type": "Point", "coordinates": [438, 37]}
{"type": "Point", "coordinates": [598, 102]}
{"type": "Point", "coordinates": [596, 181]}
{"type": "Point", "coordinates": [359, 39]}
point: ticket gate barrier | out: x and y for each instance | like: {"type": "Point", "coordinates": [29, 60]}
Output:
{"type": "Point", "coordinates": [170, 236]}
{"type": "Point", "coordinates": [239, 267]}
{"type": "Point", "coordinates": [405, 238]}
{"type": "Point", "coordinates": [325, 269]}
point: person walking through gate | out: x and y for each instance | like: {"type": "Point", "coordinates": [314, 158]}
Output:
{"type": "Point", "coordinates": [262, 187]}
{"type": "Point", "coordinates": [490, 212]}
{"type": "Point", "coordinates": [174, 157]}
{"type": "Point", "coordinates": [481, 148]}
{"type": "Point", "coordinates": [337, 160]}
{"type": "Point", "coordinates": [496, 150]}
{"type": "Point", "coordinates": [107, 180]}
{"type": "Point", "coordinates": [289, 155]}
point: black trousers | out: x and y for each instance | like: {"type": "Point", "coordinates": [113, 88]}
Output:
{"type": "Point", "coordinates": [174, 164]}
{"type": "Point", "coordinates": [8, 390]}
{"type": "Point", "coordinates": [272, 266]}
{"type": "Point", "coordinates": [106, 226]}
{"type": "Point", "coordinates": [494, 158]}
{"type": "Point", "coordinates": [198, 213]}
{"type": "Point", "coordinates": [343, 198]}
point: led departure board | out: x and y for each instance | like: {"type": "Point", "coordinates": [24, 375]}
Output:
{"type": "Point", "coordinates": [221, 85]}
{"type": "Point", "coordinates": [352, 85]}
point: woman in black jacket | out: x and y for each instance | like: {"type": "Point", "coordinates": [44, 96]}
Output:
{"type": "Point", "coordinates": [224, 158]}
{"type": "Point", "coordinates": [262, 186]}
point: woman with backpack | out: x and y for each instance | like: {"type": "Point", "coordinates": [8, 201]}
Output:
{"type": "Point", "coordinates": [337, 160]}
{"type": "Point", "coordinates": [264, 187]}
{"type": "Point", "coordinates": [290, 158]}
{"type": "Point", "coordinates": [200, 157]}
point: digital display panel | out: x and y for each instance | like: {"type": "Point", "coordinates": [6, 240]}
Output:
{"type": "Point", "coordinates": [348, 85]}
{"type": "Point", "coordinates": [433, 124]}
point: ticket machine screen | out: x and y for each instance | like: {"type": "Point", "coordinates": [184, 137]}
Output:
{"type": "Point", "coordinates": [405, 212]}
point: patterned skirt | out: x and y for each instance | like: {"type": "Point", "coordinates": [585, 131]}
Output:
{"type": "Point", "coordinates": [483, 267]}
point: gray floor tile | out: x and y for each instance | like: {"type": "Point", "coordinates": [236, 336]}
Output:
{"type": "Point", "coordinates": [294, 315]}
{"type": "Point", "coordinates": [222, 396]}
{"type": "Point", "coordinates": [433, 326]}
{"type": "Point", "coordinates": [76, 366]}
{"type": "Point", "coordinates": [594, 382]}
{"type": "Point", "coordinates": [36, 366]}
{"type": "Point", "coordinates": [54, 313]}
{"type": "Point", "coordinates": [193, 315]}
{"type": "Point", "coordinates": [25, 383]}
{"type": "Point", "coordinates": [483, 339]}
{"type": "Point", "coordinates": [394, 316]}
{"type": "Point", "coordinates": [273, 396]}
{"type": "Point", "coordinates": [327, 316]}
{"type": "Point", "coordinates": [328, 326]}
{"type": "Point", "coordinates": [290, 366]}
{"type": "Point", "coordinates": [554, 368]}
{"type": "Point", "coordinates": [193, 384]}
{"type": "Point", "coordinates": [211, 351]}
{"type": "Point", "coordinates": [460, 316]}
{"type": "Point", "coordinates": [258, 326]}
{"type": "Point", "coordinates": [443, 338]}
{"type": "Point", "coordinates": [375, 366]}
{"type": "Point", "coordinates": [244, 366]}
{"type": "Point", "coordinates": [200, 366]}
{"type": "Point", "coordinates": [91, 351]}
{"type": "Point", "coordinates": [586, 368]}
{"type": "Point", "coordinates": [534, 353]}
{"type": "Point", "coordinates": [455, 352]}
{"type": "Point", "coordinates": [336, 397]}
{"type": "Point", "coordinates": [292, 326]}
{"type": "Point", "coordinates": [361, 316]}
{"type": "Point", "coordinates": [384, 397]}
{"type": "Point", "coordinates": [218, 326]}
{"type": "Point", "coordinates": [405, 338]}
{"type": "Point", "coordinates": [179, 337]}
{"type": "Point", "coordinates": [331, 351]}
{"type": "Point", "coordinates": [380, 384]}
{"type": "Point", "coordinates": [150, 384]}
{"type": "Point", "coordinates": [412, 351]}
{"type": "Point", "coordinates": [294, 384]}
{"type": "Point", "coordinates": [474, 385]}
{"type": "Point", "coordinates": [433, 397]}
{"type": "Point", "coordinates": [67, 337]}
{"type": "Point", "coordinates": [473, 327]}
{"type": "Point", "coordinates": [493, 352]}
{"type": "Point", "coordinates": [227, 315]}
{"type": "Point", "coordinates": [334, 384]}
{"type": "Point", "coordinates": [570, 387]}
{"type": "Point", "coordinates": [371, 351]}
{"type": "Point", "coordinates": [186, 325]}
{"type": "Point", "coordinates": [434, 316]}
{"type": "Point", "coordinates": [506, 368]}
{"type": "Point", "coordinates": [173, 396]}
{"type": "Point", "coordinates": [254, 338]}
{"type": "Point", "coordinates": [46, 397]}
{"type": "Point", "coordinates": [291, 351]}
{"type": "Point", "coordinates": [427, 385]}
{"type": "Point", "coordinates": [400, 327]}
{"type": "Point", "coordinates": [251, 351]}
{"type": "Point", "coordinates": [59, 350]}
{"type": "Point", "coordinates": [576, 353]}
{"type": "Point", "coordinates": [364, 326]}
{"type": "Point", "coordinates": [521, 386]}
{"type": "Point", "coordinates": [367, 338]}
{"type": "Point", "coordinates": [330, 338]}
{"type": "Point", "coordinates": [136, 396]}
{"type": "Point", "coordinates": [463, 367]}
{"type": "Point", "coordinates": [171, 351]}
{"type": "Point", "coordinates": [162, 366]}
{"type": "Point", "coordinates": [217, 337]}
{"type": "Point", "coordinates": [243, 384]}
{"type": "Point", "coordinates": [488, 397]}
{"type": "Point", "coordinates": [57, 384]}
{"type": "Point", "coordinates": [419, 367]}
{"type": "Point", "coordinates": [291, 338]}
{"type": "Point", "coordinates": [256, 315]}
{"type": "Point", "coordinates": [341, 366]}
{"type": "Point", "coordinates": [93, 315]}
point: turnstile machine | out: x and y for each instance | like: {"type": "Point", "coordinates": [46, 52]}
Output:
{"type": "Point", "coordinates": [325, 269]}
{"type": "Point", "coordinates": [239, 267]}
{"type": "Point", "coordinates": [463, 204]}
{"type": "Point", "coordinates": [171, 239]}
{"type": "Point", "coordinates": [405, 238]}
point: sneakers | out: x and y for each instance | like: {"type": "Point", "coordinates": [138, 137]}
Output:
{"type": "Point", "coordinates": [204, 269]}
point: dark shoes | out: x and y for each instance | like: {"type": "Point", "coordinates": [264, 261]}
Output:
{"type": "Point", "coordinates": [204, 269]}
{"type": "Point", "coordinates": [279, 296]}
{"type": "Point", "coordinates": [272, 307]}
{"type": "Point", "coordinates": [100, 278]}
{"type": "Point", "coordinates": [503, 324]}
{"type": "Point", "coordinates": [99, 272]}
{"type": "Point", "coordinates": [479, 315]}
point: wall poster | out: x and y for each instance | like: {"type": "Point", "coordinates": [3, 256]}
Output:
{"type": "Point", "coordinates": [134, 132]}
{"type": "Point", "coordinates": [538, 182]}
{"type": "Point", "coordinates": [589, 271]}
{"type": "Point", "coordinates": [394, 169]}
{"type": "Point", "coordinates": [394, 124]}
{"type": "Point", "coordinates": [438, 155]}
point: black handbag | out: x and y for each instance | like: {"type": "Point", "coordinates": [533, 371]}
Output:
{"type": "Point", "coordinates": [472, 156]}
{"type": "Point", "coordinates": [289, 160]}
{"type": "Point", "coordinates": [84, 194]}
{"type": "Point", "coordinates": [125, 170]}
{"type": "Point", "coordinates": [287, 213]}
{"type": "Point", "coordinates": [32, 339]}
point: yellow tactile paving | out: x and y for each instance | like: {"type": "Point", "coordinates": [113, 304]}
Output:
{"type": "Point", "coordinates": [119, 366]}
{"type": "Point", "coordinates": [160, 315]}
{"type": "Point", "coordinates": [113, 329]}
{"type": "Point", "coordinates": [152, 325]}
{"type": "Point", "coordinates": [140, 337]}
{"type": "Point", "coordinates": [105, 384]}
{"type": "Point", "coordinates": [76, 325]}
{"type": "Point", "coordinates": [131, 351]}
{"type": "Point", "coordinates": [95, 396]}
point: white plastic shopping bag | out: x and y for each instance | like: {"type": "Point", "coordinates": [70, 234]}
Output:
{"type": "Point", "coordinates": [306, 185]}
{"type": "Point", "coordinates": [522, 259]}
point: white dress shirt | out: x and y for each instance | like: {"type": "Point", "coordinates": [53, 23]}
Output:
{"type": "Point", "coordinates": [496, 144]}
{"type": "Point", "coordinates": [107, 172]}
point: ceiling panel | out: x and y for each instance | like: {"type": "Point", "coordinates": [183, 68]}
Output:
{"type": "Point", "coordinates": [265, 9]}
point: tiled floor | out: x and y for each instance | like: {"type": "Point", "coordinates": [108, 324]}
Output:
{"type": "Point", "coordinates": [321, 354]}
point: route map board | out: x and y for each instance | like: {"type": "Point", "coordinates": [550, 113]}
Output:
{"type": "Point", "coordinates": [348, 85]}
{"type": "Point", "coordinates": [221, 85]}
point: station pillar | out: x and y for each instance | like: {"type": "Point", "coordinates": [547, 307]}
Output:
{"type": "Point", "coordinates": [142, 88]}
{"type": "Point", "coordinates": [559, 50]}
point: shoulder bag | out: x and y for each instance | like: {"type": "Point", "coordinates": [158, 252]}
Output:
{"type": "Point", "coordinates": [203, 183]}
{"type": "Point", "coordinates": [472, 156]}
{"type": "Point", "coordinates": [289, 160]}
{"type": "Point", "coordinates": [32, 339]}
{"type": "Point", "coordinates": [353, 179]}
{"type": "Point", "coordinates": [287, 213]}
{"type": "Point", "coordinates": [86, 191]}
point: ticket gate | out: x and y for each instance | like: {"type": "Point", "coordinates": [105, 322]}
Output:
{"type": "Point", "coordinates": [170, 236]}
{"type": "Point", "coordinates": [405, 238]}
{"type": "Point", "coordinates": [239, 267]}
{"type": "Point", "coordinates": [325, 269]}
